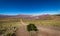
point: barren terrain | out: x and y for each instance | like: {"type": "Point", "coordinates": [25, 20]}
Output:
{"type": "Point", "coordinates": [42, 31]}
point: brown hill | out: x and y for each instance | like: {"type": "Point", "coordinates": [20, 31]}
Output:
{"type": "Point", "coordinates": [30, 17]}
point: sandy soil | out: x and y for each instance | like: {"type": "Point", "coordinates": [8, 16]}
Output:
{"type": "Point", "coordinates": [42, 31]}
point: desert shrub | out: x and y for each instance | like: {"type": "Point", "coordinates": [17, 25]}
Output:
{"type": "Point", "coordinates": [2, 31]}
{"type": "Point", "coordinates": [11, 34]}
{"type": "Point", "coordinates": [31, 27]}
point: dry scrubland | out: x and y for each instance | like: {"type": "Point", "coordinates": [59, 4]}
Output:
{"type": "Point", "coordinates": [8, 26]}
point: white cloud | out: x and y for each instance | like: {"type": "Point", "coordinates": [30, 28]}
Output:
{"type": "Point", "coordinates": [46, 12]}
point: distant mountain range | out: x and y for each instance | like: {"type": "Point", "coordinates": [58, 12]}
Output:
{"type": "Point", "coordinates": [45, 17]}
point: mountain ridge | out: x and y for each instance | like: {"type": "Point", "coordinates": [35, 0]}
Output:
{"type": "Point", "coordinates": [45, 17]}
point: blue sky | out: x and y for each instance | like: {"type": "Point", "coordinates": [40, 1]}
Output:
{"type": "Point", "coordinates": [34, 7]}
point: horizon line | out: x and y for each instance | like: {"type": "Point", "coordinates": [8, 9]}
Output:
{"type": "Point", "coordinates": [30, 14]}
